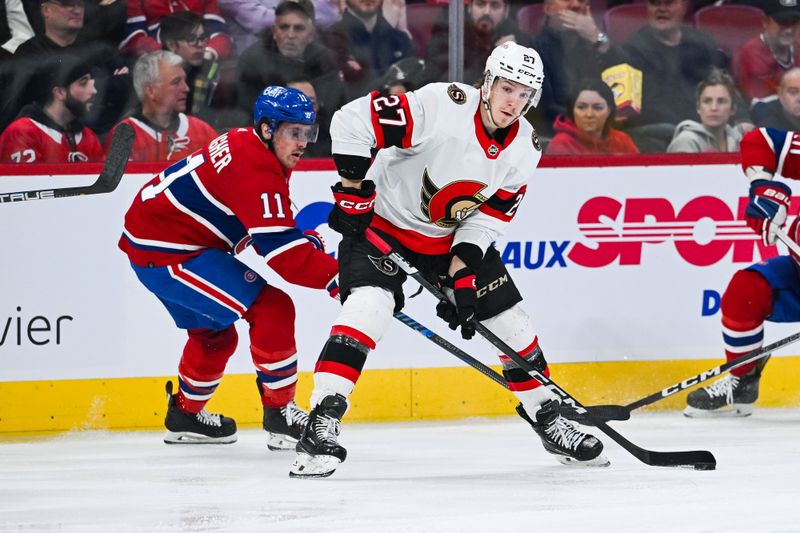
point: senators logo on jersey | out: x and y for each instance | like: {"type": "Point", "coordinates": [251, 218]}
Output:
{"type": "Point", "coordinates": [451, 204]}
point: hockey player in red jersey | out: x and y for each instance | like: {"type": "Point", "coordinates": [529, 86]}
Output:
{"type": "Point", "coordinates": [181, 234]}
{"type": "Point", "coordinates": [451, 170]}
{"type": "Point", "coordinates": [51, 130]}
{"type": "Point", "coordinates": [766, 291]}
{"type": "Point", "coordinates": [163, 131]}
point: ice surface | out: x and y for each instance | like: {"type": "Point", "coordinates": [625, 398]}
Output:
{"type": "Point", "coordinates": [470, 475]}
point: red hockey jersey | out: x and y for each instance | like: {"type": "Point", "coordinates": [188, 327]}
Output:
{"type": "Point", "coordinates": [154, 144]}
{"type": "Point", "coordinates": [230, 194]}
{"type": "Point", "coordinates": [29, 141]}
{"type": "Point", "coordinates": [144, 18]}
{"type": "Point", "coordinates": [778, 151]}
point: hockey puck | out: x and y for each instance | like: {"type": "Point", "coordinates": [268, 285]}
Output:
{"type": "Point", "coordinates": [705, 466]}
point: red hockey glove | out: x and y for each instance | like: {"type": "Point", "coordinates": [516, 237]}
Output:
{"type": "Point", "coordinates": [465, 293]}
{"type": "Point", "coordinates": [769, 202]}
{"type": "Point", "coordinates": [333, 288]}
{"type": "Point", "coordinates": [352, 208]}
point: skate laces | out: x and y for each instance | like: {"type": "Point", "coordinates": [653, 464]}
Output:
{"type": "Point", "coordinates": [294, 415]}
{"type": "Point", "coordinates": [209, 419]}
{"type": "Point", "coordinates": [724, 387]}
{"type": "Point", "coordinates": [564, 433]}
{"type": "Point", "coordinates": [327, 428]}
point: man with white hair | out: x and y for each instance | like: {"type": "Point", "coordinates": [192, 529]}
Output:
{"type": "Point", "coordinates": [451, 170]}
{"type": "Point", "coordinates": [163, 130]}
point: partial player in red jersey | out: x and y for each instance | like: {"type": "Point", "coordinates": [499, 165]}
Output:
{"type": "Point", "coordinates": [51, 130]}
{"type": "Point", "coordinates": [451, 170]}
{"type": "Point", "coordinates": [182, 234]}
{"type": "Point", "coordinates": [163, 131]}
{"type": "Point", "coordinates": [766, 291]}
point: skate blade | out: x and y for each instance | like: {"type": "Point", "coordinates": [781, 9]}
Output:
{"type": "Point", "coordinates": [186, 437]}
{"type": "Point", "coordinates": [313, 466]}
{"type": "Point", "coordinates": [601, 461]}
{"type": "Point", "coordinates": [279, 443]}
{"type": "Point", "coordinates": [735, 410]}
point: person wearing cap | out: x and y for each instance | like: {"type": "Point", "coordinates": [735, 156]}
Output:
{"type": "Point", "coordinates": [248, 19]}
{"type": "Point", "coordinates": [163, 131]}
{"type": "Point", "coordinates": [63, 21]}
{"type": "Point", "coordinates": [761, 62]}
{"type": "Point", "coordinates": [51, 130]}
{"type": "Point", "coordinates": [290, 51]}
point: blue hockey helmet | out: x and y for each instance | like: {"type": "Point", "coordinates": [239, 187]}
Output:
{"type": "Point", "coordinates": [281, 104]}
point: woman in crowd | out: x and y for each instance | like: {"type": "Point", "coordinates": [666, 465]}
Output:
{"type": "Point", "coordinates": [716, 103]}
{"type": "Point", "coordinates": [588, 126]}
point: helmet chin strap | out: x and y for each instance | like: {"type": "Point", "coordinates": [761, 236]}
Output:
{"type": "Point", "coordinates": [487, 107]}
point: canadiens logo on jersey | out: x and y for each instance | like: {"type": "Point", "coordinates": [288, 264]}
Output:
{"type": "Point", "coordinates": [449, 205]}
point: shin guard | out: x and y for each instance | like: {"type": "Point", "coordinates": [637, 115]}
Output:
{"type": "Point", "coordinates": [745, 305]}
{"type": "Point", "coordinates": [202, 365]}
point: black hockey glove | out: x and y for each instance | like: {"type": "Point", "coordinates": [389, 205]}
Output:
{"type": "Point", "coordinates": [462, 313]}
{"type": "Point", "coordinates": [352, 208]}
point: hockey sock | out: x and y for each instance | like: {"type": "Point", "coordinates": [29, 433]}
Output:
{"type": "Point", "coordinates": [202, 365]}
{"type": "Point", "coordinates": [529, 391]}
{"type": "Point", "coordinates": [745, 305]}
{"type": "Point", "coordinates": [272, 346]}
{"type": "Point", "coordinates": [340, 363]}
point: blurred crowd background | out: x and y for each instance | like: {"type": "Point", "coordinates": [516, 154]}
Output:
{"type": "Point", "coordinates": [635, 76]}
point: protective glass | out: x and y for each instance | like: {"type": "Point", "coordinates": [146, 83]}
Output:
{"type": "Point", "coordinates": [298, 132]}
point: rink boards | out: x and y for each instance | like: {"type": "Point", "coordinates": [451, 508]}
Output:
{"type": "Point", "coordinates": [621, 265]}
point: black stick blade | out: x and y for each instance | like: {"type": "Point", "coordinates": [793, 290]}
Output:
{"type": "Point", "coordinates": [699, 459]}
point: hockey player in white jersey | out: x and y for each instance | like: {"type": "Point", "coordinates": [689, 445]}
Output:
{"type": "Point", "coordinates": [450, 172]}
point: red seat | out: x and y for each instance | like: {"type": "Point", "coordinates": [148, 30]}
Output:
{"type": "Point", "coordinates": [624, 20]}
{"type": "Point", "coordinates": [530, 18]}
{"type": "Point", "coordinates": [730, 25]}
{"type": "Point", "coordinates": [421, 18]}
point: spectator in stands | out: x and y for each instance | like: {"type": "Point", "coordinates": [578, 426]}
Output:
{"type": "Point", "coordinates": [51, 130]}
{"type": "Point", "coordinates": [673, 59]}
{"type": "Point", "coordinates": [588, 127]}
{"type": "Point", "coordinates": [290, 51]}
{"type": "Point", "coordinates": [145, 16]}
{"type": "Point", "coordinates": [486, 25]}
{"type": "Point", "coordinates": [366, 45]}
{"type": "Point", "coordinates": [184, 34]}
{"type": "Point", "coordinates": [63, 22]}
{"type": "Point", "coordinates": [761, 61]}
{"type": "Point", "coordinates": [15, 28]}
{"type": "Point", "coordinates": [406, 75]}
{"type": "Point", "coordinates": [781, 111]}
{"type": "Point", "coordinates": [163, 130]}
{"type": "Point", "coordinates": [248, 19]}
{"type": "Point", "coordinates": [104, 20]}
{"type": "Point", "coordinates": [571, 46]}
{"type": "Point", "coordinates": [716, 104]}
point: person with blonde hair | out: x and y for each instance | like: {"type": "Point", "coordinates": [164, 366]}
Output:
{"type": "Point", "coordinates": [716, 104]}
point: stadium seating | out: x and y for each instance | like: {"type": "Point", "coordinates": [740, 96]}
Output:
{"type": "Point", "coordinates": [530, 18]}
{"type": "Point", "coordinates": [421, 18]}
{"type": "Point", "coordinates": [624, 20]}
{"type": "Point", "coordinates": [730, 25]}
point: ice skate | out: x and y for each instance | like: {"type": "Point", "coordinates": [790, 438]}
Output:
{"type": "Point", "coordinates": [199, 428]}
{"type": "Point", "coordinates": [284, 426]}
{"type": "Point", "coordinates": [728, 396]}
{"type": "Point", "coordinates": [318, 451]}
{"type": "Point", "coordinates": [563, 439]}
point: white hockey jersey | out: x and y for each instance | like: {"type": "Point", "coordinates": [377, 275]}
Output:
{"type": "Point", "coordinates": [440, 179]}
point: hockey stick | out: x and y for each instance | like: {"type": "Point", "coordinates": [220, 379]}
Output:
{"type": "Point", "coordinates": [107, 181]}
{"type": "Point", "coordinates": [699, 460]}
{"type": "Point", "coordinates": [623, 412]}
{"type": "Point", "coordinates": [452, 348]}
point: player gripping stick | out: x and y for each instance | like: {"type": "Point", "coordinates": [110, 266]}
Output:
{"type": "Point", "coordinates": [769, 290]}
{"type": "Point", "coordinates": [182, 234]}
{"type": "Point", "coordinates": [450, 173]}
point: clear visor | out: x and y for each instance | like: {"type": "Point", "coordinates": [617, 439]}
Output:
{"type": "Point", "coordinates": [306, 133]}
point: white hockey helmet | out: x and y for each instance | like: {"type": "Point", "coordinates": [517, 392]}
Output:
{"type": "Point", "coordinates": [516, 63]}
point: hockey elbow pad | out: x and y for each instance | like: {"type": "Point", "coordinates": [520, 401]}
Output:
{"type": "Point", "coordinates": [352, 167]}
